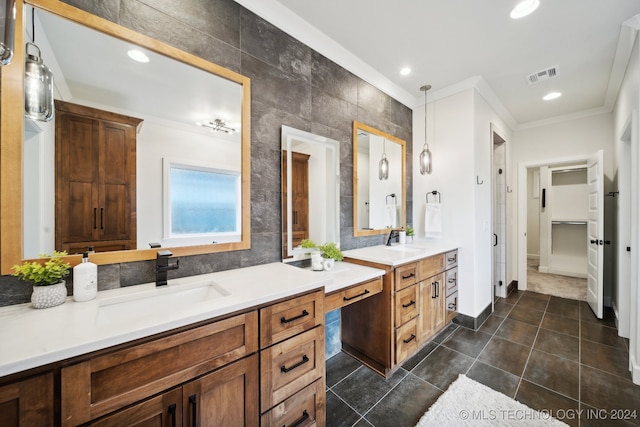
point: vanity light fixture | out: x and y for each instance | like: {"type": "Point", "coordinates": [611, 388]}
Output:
{"type": "Point", "coordinates": [218, 126]}
{"type": "Point", "coordinates": [425, 156]}
{"type": "Point", "coordinates": [138, 56]}
{"type": "Point", "coordinates": [7, 30]}
{"type": "Point", "coordinates": [552, 95]}
{"type": "Point", "coordinates": [38, 82]}
{"type": "Point", "coordinates": [383, 167]}
{"type": "Point", "coordinates": [524, 8]}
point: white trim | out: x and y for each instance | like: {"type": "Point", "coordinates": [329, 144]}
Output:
{"type": "Point", "coordinates": [522, 206]}
{"type": "Point", "coordinates": [634, 367]}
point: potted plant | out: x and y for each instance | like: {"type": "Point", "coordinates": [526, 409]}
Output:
{"type": "Point", "coordinates": [410, 233]}
{"type": "Point", "coordinates": [47, 278]}
{"type": "Point", "coordinates": [331, 253]}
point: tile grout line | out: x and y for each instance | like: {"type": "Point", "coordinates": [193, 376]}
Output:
{"type": "Point", "coordinates": [531, 351]}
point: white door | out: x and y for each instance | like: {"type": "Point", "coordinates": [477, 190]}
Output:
{"type": "Point", "coordinates": [595, 230]}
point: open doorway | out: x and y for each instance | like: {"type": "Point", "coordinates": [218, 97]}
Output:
{"type": "Point", "coordinates": [499, 209]}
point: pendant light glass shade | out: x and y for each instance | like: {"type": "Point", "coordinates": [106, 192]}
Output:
{"type": "Point", "coordinates": [38, 87]}
{"type": "Point", "coordinates": [425, 160]}
{"type": "Point", "coordinates": [425, 156]}
{"type": "Point", "coordinates": [7, 30]}
{"type": "Point", "coordinates": [383, 168]}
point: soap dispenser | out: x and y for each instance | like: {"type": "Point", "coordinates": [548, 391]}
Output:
{"type": "Point", "coordinates": [85, 280]}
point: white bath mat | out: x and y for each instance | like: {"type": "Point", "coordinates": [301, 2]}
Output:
{"type": "Point", "coordinates": [469, 403]}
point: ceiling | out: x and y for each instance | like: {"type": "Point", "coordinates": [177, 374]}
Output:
{"type": "Point", "coordinates": [449, 42]}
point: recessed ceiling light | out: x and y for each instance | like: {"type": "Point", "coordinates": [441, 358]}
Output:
{"type": "Point", "coordinates": [552, 95]}
{"type": "Point", "coordinates": [405, 71]}
{"type": "Point", "coordinates": [524, 8]}
{"type": "Point", "coordinates": [138, 55]}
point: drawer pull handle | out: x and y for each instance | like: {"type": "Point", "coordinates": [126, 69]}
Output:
{"type": "Point", "coordinates": [285, 320]}
{"type": "Point", "coordinates": [409, 304]}
{"type": "Point", "coordinates": [172, 413]}
{"type": "Point", "coordinates": [437, 289]}
{"type": "Point", "coordinates": [454, 258]}
{"type": "Point", "coordinates": [366, 291]}
{"type": "Point", "coordinates": [409, 276]}
{"type": "Point", "coordinates": [408, 340]}
{"type": "Point", "coordinates": [194, 410]}
{"type": "Point", "coordinates": [452, 306]}
{"type": "Point", "coordinates": [305, 416]}
{"type": "Point", "coordinates": [452, 280]}
{"type": "Point", "coordinates": [304, 360]}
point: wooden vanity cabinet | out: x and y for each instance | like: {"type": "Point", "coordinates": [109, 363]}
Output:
{"type": "Point", "coordinates": [194, 374]}
{"type": "Point", "coordinates": [28, 402]}
{"type": "Point", "coordinates": [292, 363]}
{"type": "Point", "coordinates": [386, 329]}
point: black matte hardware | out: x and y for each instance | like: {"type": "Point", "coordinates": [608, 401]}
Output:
{"type": "Point", "coordinates": [94, 218]}
{"type": "Point", "coordinates": [600, 242]}
{"type": "Point", "coordinates": [172, 413]}
{"type": "Point", "coordinates": [163, 266]}
{"type": "Point", "coordinates": [451, 259]}
{"type": "Point", "coordinates": [433, 291]}
{"type": "Point", "coordinates": [355, 296]}
{"type": "Point", "coordinates": [607, 242]}
{"type": "Point", "coordinates": [101, 218]}
{"type": "Point", "coordinates": [544, 197]}
{"type": "Point", "coordinates": [285, 320]}
{"type": "Point", "coordinates": [452, 280]}
{"type": "Point", "coordinates": [194, 410]}
{"type": "Point", "coordinates": [412, 302]}
{"type": "Point", "coordinates": [495, 239]}
{"type": "Point", "coordinates": [628, 248]}
{"type": "Point", "coordinates": [408, 340]}
{"type": "Point", "coordinates": [304, 360]}
{"type": "Point", "coordinates": [452, 306]}
{"type": "Point", "coordinates": [437, 289]}
{"type": "Point", "coordinates": [593, 242]}
{"type": "Point", "coordinates": [409, 276]}
{"type": "Point", "coordinates": [305, 416]}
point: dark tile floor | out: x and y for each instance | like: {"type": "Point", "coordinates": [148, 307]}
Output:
{"type": "Point", "coordinates": [547, 352]}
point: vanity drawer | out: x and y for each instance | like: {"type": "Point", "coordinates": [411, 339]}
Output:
{"type": "Point", "coordinates": [290, 366]}
{"type": "Point", "coordinates": [291, 317]}
{"type": "Point", "coordinates": [406, 340]}
{"type": "Point", "coordinates": [451, 259]}
{"type": "Point", "coordinates": [406, 305]}
{"type": "Point", "coordinates": [306, 408]}
{"type": "Point", "coordinates": [353, 294]}
{"type": "Point", "coordinates": [451, 306]}
{"type": "Point", "coordinates": [109, 382]}
{"type": "Point", "coordinates": [406, 275]}
{"type": "Point", "coordinates": [451, 279]}
{"type": "Point", "coordinates": [432, 266]}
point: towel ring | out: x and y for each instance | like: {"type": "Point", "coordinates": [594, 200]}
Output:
{"type": "Point", "coordinates": [434, 193]}
{"type": "Point", "coordinates": [386, 200]}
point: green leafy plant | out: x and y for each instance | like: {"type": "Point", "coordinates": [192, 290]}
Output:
{"type": "Point", "coordinates": [331, 250]}
{"type": "Point", "coordinates": [307, 244]}
{"type": "Point", "coordinates": [49, 272]}
{"type": "Point", "coordinates": [410, 230]}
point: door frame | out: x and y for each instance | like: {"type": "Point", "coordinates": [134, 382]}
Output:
{"type": "Point", "coordinates": [522, 205]}
{"type": "Point", "coordinates": [498, 137]}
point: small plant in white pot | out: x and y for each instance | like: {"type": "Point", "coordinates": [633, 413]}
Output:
{"type": "Point", "coordinates": [331, 253]}
{"type": "Point", "coordinates": [47, 278]}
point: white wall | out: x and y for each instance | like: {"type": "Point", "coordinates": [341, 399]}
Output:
{"type": "Point", "coordinates": [459, 136]}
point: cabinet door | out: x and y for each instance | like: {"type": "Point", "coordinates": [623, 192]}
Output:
{"type": "Point", "coordinates": [438, 314]}
{"type": "Point", "coordinates": [28, 402]}
{"type": "Point", "coordinates": [227, 397]}
{"type": "Point", "coordinates": [161, 411]}
{"type": "Point", "coordinates": [432, 315]}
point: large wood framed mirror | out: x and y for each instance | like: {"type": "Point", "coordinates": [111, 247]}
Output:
{"type": "Point", "coordinates": [310, 190]}
{"type": "Point", "coordinates": [379, 202]}
{"type": "Point", "coordinates": [171, 103]}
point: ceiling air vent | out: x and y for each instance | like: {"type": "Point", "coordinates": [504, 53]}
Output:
{"type": "Point", "coordinates": [541, 75]}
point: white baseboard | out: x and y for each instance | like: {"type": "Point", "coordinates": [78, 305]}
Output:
{"type": "Point", "coordinates": [635, 369]}
{"type": "Point", "coordinates": [542, 269]}
{"type": "Point", "coordinates": [533, 256]}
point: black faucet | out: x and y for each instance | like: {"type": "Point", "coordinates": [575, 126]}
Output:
{"type": "Point", "coordinates": [393, 235]}
{"type": "Point", "coordinates": [162, 266]}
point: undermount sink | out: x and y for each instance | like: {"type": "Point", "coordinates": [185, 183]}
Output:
{"type": "Point", "coordinates": [403, 248]}
{"type": "Point", "coordinates": [158, 300]}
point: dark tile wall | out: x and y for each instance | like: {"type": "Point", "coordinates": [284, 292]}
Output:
{"type": "Point", "coordinates": [291, 85]}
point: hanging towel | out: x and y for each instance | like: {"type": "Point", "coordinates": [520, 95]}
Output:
{"type": "Point", "coordinates": [433, 220]}
{"type": "Point", "coordinates": [391, 216]}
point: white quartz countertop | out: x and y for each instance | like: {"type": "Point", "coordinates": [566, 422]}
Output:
{"type": "Point", "coordinates": [30, 338]}
{"type": "Point", "coordinates": [399, 254]}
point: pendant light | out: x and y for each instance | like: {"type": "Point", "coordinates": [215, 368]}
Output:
{"type": "Point", "coordinates": [38, 82]}
{"type": "Point", "coordinates": [425, 155]}
{"type": "Point", "coordinates": [7, 30]}
{"type": "Point", "coordinates": [383, 167]}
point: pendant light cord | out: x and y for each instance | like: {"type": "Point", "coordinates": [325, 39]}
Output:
{"type": "Point", "coordinates": [33, 25]}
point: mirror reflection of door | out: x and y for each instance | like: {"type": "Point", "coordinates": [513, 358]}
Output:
{"type": "Point", "coordinates": [299, 197]}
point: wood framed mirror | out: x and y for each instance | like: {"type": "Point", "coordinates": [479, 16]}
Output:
{"type": "Point", "coordinates": [185, 68]}
{"type": "Point", "coordinates": [379, 202]}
